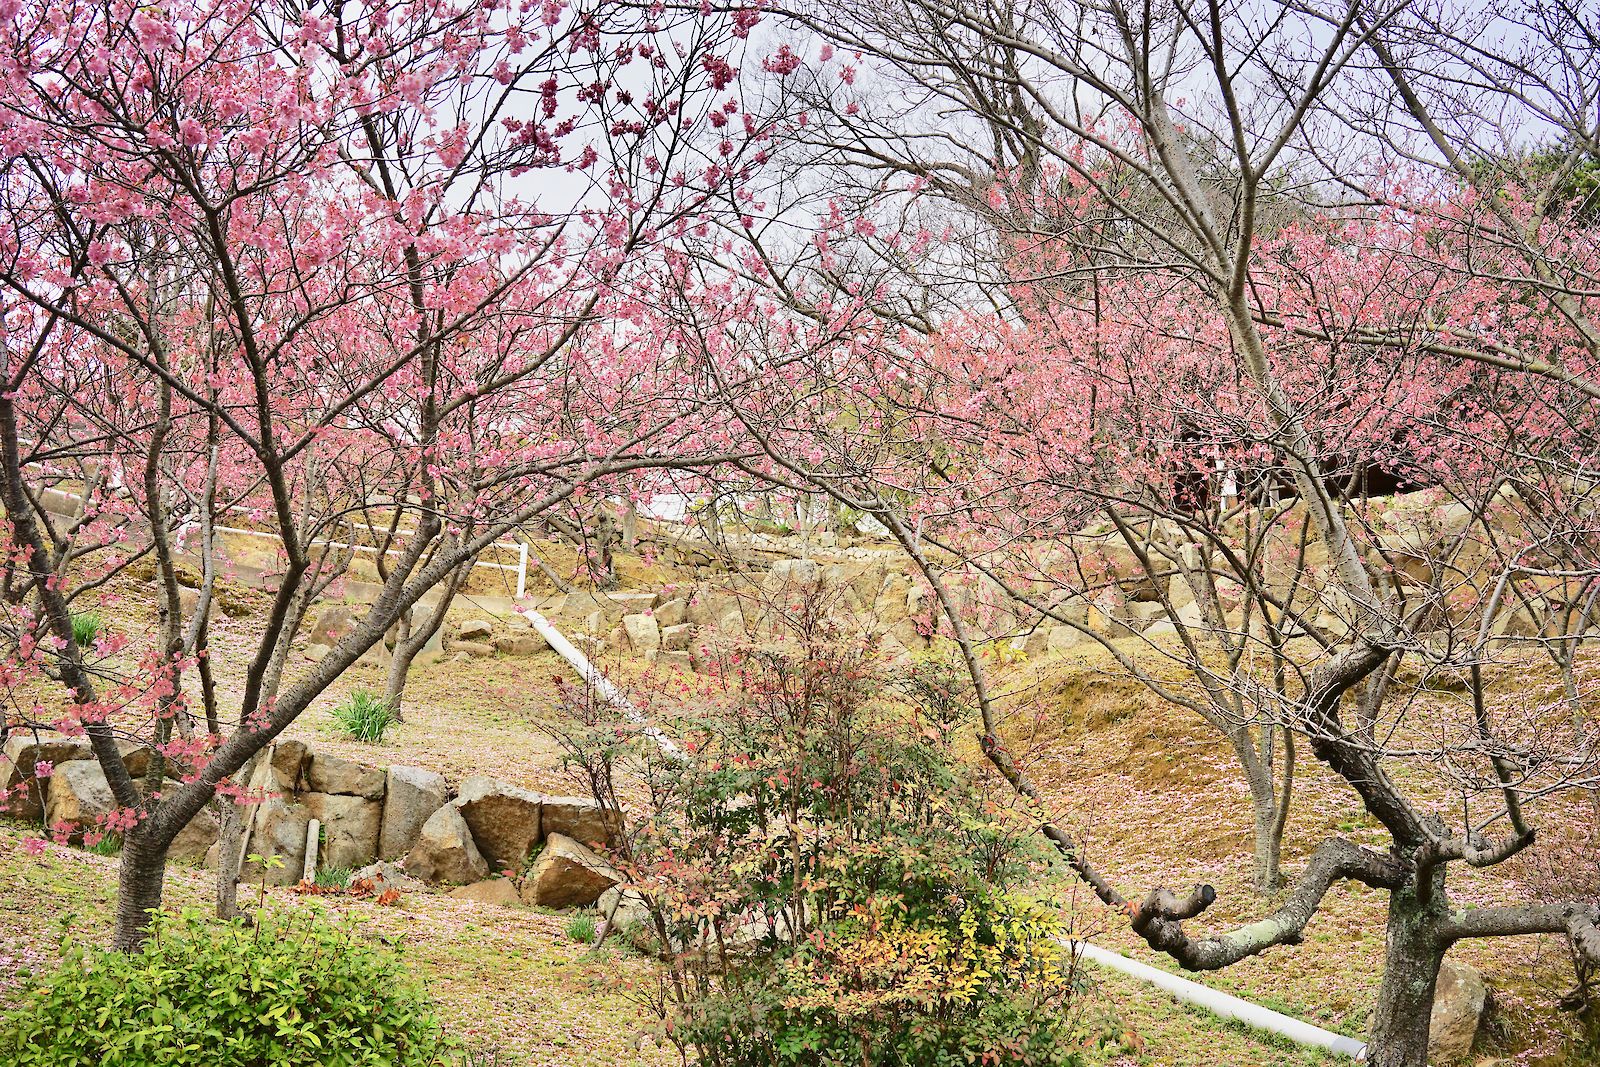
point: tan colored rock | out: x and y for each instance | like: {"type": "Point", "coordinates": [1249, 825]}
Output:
{"type": "Point", "coordinates": [500, 891]}
{"type": "Point", "coordinates": [672, 613]}
{"type": "Point", "coordinates": [793, 572]}
{"type": "Point", "coordinates": [349, 828]}
{"type": "Point", "coordinates": [194, 841]}
{"type": "Point", "coordinates": [411, 796]}
{"type": "Point", "coordinates": [610, 606]}
{"type": "Point", "coordinates": [23, 750]}
{"type": "Point", "coordinates": [567, 875]}
{"type": "Point", "coordinates": [1178, 592]}
{"type": "Point", "coordinates": [526, 644]}
{"type": "Point", "coordinates": [330, 774]}
{"type": "Point", "coordinates": [288, 759]}
{"type": "Point", "coordinates": [642, 632]}
{"type": "Point", "coordinates": [1062, 638]}
{"type": "Point", "coordinates": [908, 634]}
{"type": "Point", "coordinates": [1520, 619]}
{"type": "Point", "coordinates": [580, 819]}
{"type": "Point", "coordinates": [445, 852]}
{"type": "Point", "coordinates": [333, 623]}
{"type": "Point", "coordinates": [677, 661]}
{"type": "Point", "coordinates": [676, 638]}
{"type": "Point", "coordinates": [473, 649]}
{"type": "Point", "coordinates": [135, 757]}
{"type": "Point", "coordinates": [278, 831]}
{"type": "Point", "coordinates": [504, 819]}
{"type": "Point", "coordinates": [1032, 644]}
{"type": "Point", "coordinates": [475, 630]}
{"type": "Point", "coordinates": [79, 797]}
{"type": "Point", "coordinates": [385, 876]}
{"type": "Point", "coordinates": [1459, 1001]}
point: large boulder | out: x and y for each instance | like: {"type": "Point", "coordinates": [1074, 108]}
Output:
{"type": "Point", "coordinates": [676, 638]}
{"type": "Point", "coordinates": [1062, 638]}
{"type": "Point", "coordinates": [644, 635]}
{"type": "Point", "coordinates": [793, 572]}
{"type": "Point", "coordinates": [79, 797]}
{"type": "Point", "coordinates": [349, 828]}
{"type": "Point", "coordinates": [278, 830]}
{"type": "Point", "coordinates": [445, 851]}
{"type": "Point", "coordinates": [505, 820]}
{"type": "Point", "coordinates": [475, 630]}
{"type": "Point", "coordinates": [333, 623]}
{"type": "Point", "coordinates": [579, 606]}
{"type": "Point", "coordinates": [194, 841]}
{"type": "Point", "coordinates": [1032, 644]}
{"type": "Point", "coordinates": [330, 774]}
{"type": "Point", "coordinates": [672, 613]}
{"type": "Point", "coordinates": [411, 795]}
{"type": "Point", "coordinates": [1459, 1001]}
{"type": "Point", "coordinates": [384, 876]}
{"type": "Point", "coordinates": [24, 795]}
{"type": "Point", "coordinates": [567, 875]}
{"type": "Point", "coordinates": [580, 819]}
{"type": "Point", "coordinates": [527, 644]}
{"type": "Point", "coordinates": [283, 768]}
{"type": "Point", "coordinates": [502, 891]}
{"type": "Point", "coordinates": [677, 661]}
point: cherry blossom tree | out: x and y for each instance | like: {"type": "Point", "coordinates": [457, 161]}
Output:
{"type": "Point", "coordinates": [1144, 251]}
{"type": "Point", "coordinates": [309, 271]}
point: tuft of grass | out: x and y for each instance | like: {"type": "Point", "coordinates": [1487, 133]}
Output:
{"type": "Point", "coordinates": [580, 928]}
{"type": "Point", "coordinates": [334, 877]}
{"type": "Point", "coordinates": [108, 845]}
{"type": "Point", "coordinates": [86, 628]}
{"type": "Point", "coordinates": [364, 717]}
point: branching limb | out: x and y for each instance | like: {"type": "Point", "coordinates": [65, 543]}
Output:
{"type": "Point", "coordinates": [1159, 919]}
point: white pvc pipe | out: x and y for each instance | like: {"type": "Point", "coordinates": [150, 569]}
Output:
{"type": "Point", "coordinates": [1223, 1004]}
{"type": "Point", "coordinates": [591, 674]}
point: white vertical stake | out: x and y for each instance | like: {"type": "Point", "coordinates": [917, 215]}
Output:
{"type": "Point", "coordinates": [313, 833]}
{"type": "Point", "coordinates": [522, 571]}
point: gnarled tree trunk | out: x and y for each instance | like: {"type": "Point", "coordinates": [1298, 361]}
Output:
{"type": "Point", "coordinates": [1414, 949]}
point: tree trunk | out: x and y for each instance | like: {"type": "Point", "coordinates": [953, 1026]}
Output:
{"type": "Point", "coordinates": [399, 668]}
{"type": "Point", "coordinates": [230, 859]}
{"type": "Point", "coordinates": [1268, 846]}
{"type": "Point", "coordinates": [1413, 951]}
{"type": "Point", "coordinates": [232, 842]}
{"type": "Point", "coordinates": [140, 879]}
{"type": "Point", "coordinates": [1267, 808]}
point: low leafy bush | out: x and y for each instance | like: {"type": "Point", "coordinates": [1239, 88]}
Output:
{"type": "Point", "coordinates": [364, 716]}
{"type": "Point", "coordinates": [832, 884]}
{"type": "Point", "coordinates": [297, 991]}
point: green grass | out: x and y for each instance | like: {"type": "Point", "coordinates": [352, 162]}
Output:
{"type": "Point", "coordinates": [109, 845]}
{"type": "Point", "coordinates": [364, 717]}
{"type": "Point", "coordinates": [580, 928]}
{"type": "Point", "coordinates": [86, 628]}
{"type": "Point", "coordinates": [334, 877]}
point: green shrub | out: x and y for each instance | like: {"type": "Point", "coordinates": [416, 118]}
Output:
{"type": "Point", "coordinates": [86, 627]}
{"type": "Point", "coordinates": [580, 928]}
{"type": "Point", "coordinates": [364, 717]}
{"type": "Point", "coordinates": [298, 991]}
{"type": "Point", "coordinates": [827, 794]}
